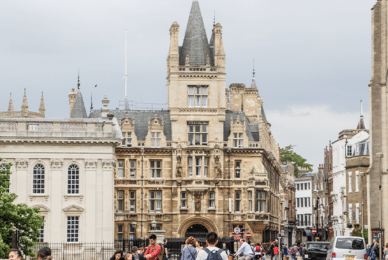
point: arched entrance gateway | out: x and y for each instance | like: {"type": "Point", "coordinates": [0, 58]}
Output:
{"type": "Point", "coordinates": [197, 227]}
{"type": "Point", "coordinates": [197, 231]}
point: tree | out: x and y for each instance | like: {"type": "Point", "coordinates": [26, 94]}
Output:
{"type": "Point", "coordinates": [16, 216]}
{"type": "Point", "coordinates": [288, 155]}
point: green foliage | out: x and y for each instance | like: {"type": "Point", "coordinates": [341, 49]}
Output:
{"type": "Point", "coordinates": [357, 232]}
{"type": "Point", "coordinates": [16, 216]}
{"type": "Point", "coordinates": [288, 155]}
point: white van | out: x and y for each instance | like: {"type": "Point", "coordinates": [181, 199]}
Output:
{"type": "Point", "coordinates": [347, 248]}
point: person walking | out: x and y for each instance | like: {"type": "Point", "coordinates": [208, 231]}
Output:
{"type": "Point", "coordinates": [118, 255]}
{"type": "Point", "coordinates": [245, 251]}
{"type": "Point", "coordinates": [212, 251]}
{"type": "Point", "coordinates": [154, 249]}
{"type": "Point", "coordinates": [293, 252]}
{"type": "Point", "coordinates": [225, 249]}
{"type": "Point", "coordinates": [258, 251]}
{"type": "Point", "coordinates": [386, 252]}
{"type": "Point", "coordinates": [44, 254]}
{"type": "Point", "coordinates": [189, 252]}
{"type": "Point", "coordinates": [270, 250]}
{"type": "Point", "coordinates": [284, 252]}
{"type": "Point", "coordinates": [276, 251]}
{"type": "Point", "coordinates": [15, 254]}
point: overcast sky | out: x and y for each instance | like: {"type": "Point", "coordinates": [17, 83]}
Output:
{"type": "Point", "coordinates": [312, 58]}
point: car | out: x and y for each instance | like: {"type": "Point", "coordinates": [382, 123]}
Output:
{"type": "Point", "coordinates": [347, 248]}
{"type": "Point", "coordinates": [316, 250]}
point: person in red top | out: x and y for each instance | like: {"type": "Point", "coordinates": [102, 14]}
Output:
{"type": "Point", "coordinates": [276, 251]}
{"type": "Point", "coordinates": [153, 250]}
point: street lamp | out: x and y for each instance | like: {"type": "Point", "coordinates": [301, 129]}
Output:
{"type": "Point", "coordinates": [153, 224]}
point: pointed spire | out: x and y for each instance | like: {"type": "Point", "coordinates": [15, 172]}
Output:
{"type": "Point", "coordinates": [361, 124]}
{"type": "Point", "coordinates": [253, 84]}
{"type": "Point", "coordinates": [41, 106]}
{"type": "Point", "coordinates": [10, 106]}
{"type": "Point", "coordinates": [195, 43]}
{"type": "Point", "coordinates": [78, 110]}
{"type": "Point", "coordinates": [78, 84]}
{"type": "Point", "coordinates": [25, 103]}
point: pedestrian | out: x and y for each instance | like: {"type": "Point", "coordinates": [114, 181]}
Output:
{"type": "Point", "coordinates": [212, 250]}
{"type": "Point", "coordinates": [270, 250]}
{"type": "Point", "coordinates": [276, 251]}
{"type": "Point", "coordinates": [198, 246]}
{"type": "Point", "coordinates": [153, 250]}
{"type": "Point", "coordinates": [44, 254]}
{"type": "Point", "coordinates": [258, 251]}
{"type": "Point", "coordinates": [386, 252]}
{"type": "Point", "coordinates": [293, 252]}
{"type": "Point", "coordinates": [225, 249]}
{"type": "Point", "coordinates": [189, 251]}
{"type": "Point", "coordinates": [15, 254]}
{"type": "Point", "coordinates": [368, 251]}
{"type": "Point", "coordinates": [118, 255]}
{"type": "Point", "coordinates": [376, 250]}
{"type": "Point", "coordinates": [284, 252]}
{"type": "Point", "coordinates": [128, 256]}
{"type": "Point", "coordinates": [166, 246]}
{"type": "Point", "coordinates": [245, 251]}
{"type": "Point", "coordinates": [135, 254]}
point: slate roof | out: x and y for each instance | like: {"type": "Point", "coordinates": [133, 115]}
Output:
{"type": "Point", "coordinates": [195, 43]}
{"type": "Point", "coordinates": [263, 114]}
{"type": "Point", "coordinates": [78, 110]}
{"type": "Point", "coordinates": [141, 120]}
{"type": "Point", "coordinates": [252, 130]}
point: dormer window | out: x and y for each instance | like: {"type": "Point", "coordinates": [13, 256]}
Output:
{"type": "Point", "coordinates": [197, 96]}
{"type": "Point", "coordinates": [237, 140]}
{"type": "Point", "coordinates": [127, 139]}
{"type": "Point", "coordinates": [197, 135]}
{"type": "Point", "coordinates": [155, 139]}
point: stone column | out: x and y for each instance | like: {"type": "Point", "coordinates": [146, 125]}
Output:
{"type": "Point", "coordinates": [108, 200]}
{"type": "Point", "coordinates": [56, 221]}
{"type": "Point", "coordinates": [91, 214]}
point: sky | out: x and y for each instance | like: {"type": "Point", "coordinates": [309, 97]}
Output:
{"type": "Point", "coordinates": [312, 58]}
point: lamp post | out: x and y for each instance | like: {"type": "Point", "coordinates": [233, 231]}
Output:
{"type": "Point", "coordinates": [153, 224]}
{"type": "Point", "coordinates": [316, 207]}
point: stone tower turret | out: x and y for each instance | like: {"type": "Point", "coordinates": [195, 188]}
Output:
{"type": "Point", "coordinates": [25, 105]}
{"type": "Point", "coordinates": [42, 109]}
{"type": "Point", "coordinates": [10, 106]}
{"type": "Point", "coordinates": [72, 96]}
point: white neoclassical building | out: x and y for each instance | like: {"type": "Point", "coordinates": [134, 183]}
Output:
{"type": "Point", "coordinates": [65, 167]}
{"type": "Point", "coordinates": [303, 201]}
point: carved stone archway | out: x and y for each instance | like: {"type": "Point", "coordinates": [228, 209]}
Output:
{"type": "Point", "coordinates": [210, 226]}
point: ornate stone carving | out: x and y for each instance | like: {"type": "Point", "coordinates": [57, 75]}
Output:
{"type": "Point", "coordinates": [56, 163]}
{"type": "Point", "coordinates": [8, 126]}
{"type": "Point", "coordinates": [197, 201]}
{"type": "Point", "coordinates": [125, 182]}
{"type": "Point", "coordinates": [90, 164]}
{"type": "Point", "coordinates": [158, 182]}
{"type": "Point", "coordinates": [179, 171]}
{"type": "Point", "coordinates": [21, 163]}
{"type": "Point", "coordinates": [73, 127]}
{"type": "Point", "coordinates": [108, 164]}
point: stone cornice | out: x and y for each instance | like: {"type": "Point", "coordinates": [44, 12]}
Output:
{"type": "Point", "coordinates": [34, 140]}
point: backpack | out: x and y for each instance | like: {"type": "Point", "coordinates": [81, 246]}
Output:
{"type": "Point", "coordinates": [160, 256]}
{"type": "Point", "coordinates": [213, 255]}
{"type": "Point", "coordinates": [293, 251]}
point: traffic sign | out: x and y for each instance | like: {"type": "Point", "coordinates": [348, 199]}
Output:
{"type": "Point", "coordinates": [248, 235]}
{"type": "Point", "coordinates": [236, 236]}
{"type": "Point", "coordinates": [314, 231]}
{"type": "Point", "coordinates": [237, 230]}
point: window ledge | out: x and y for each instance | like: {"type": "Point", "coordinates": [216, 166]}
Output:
{"type": "Point", "coordinates": [35, 196]}
{"type": "Point", "coordinates": [184, 209]}
{"type": "Point", "coordinates": [211, 209]}
{"type": "Point", "coordinates": [74, 196]}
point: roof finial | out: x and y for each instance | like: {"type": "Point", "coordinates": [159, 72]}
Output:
{"type": "Point", "coordinates": [361, 110]}
{"type": "Point", "coordinates": [10, 106]}
{"type": "Point", "coordinates": [79, 84]}
{"type": "Point", "coordinates": [214, 21]}
{"type": "Point", "coordinates": [361, 124]}
{"type": "Point", "coordinates": [253, 68]}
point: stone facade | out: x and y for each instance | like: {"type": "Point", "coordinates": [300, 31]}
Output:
{"type": "Point", "coordinates": [209, 161]}
{"type": "Point", "coordinates": [65, 168]}
{"type": "Point", "coordinates": [24, 113]}
{"type": "Point", "coordinates": [356, 191]}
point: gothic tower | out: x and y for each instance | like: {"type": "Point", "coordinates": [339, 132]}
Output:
{"type": "Point", "coordinates": [196, 78]}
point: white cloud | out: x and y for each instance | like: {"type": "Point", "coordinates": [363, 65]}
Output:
{"type": "Point", "coordinates": [311, 128]}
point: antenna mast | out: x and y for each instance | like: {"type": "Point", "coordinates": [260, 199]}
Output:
{"type": "Point", "coordinates": [126, 73]}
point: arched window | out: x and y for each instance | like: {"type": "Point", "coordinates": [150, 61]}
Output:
{"type": "Point", "coordinates": [4, 168]}
{"type": "Point", "coordinates": [38, 179]}
{"type": "Point", "coordinates": [73, 179]}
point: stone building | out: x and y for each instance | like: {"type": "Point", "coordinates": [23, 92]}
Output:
{"type": "Point", "coordinates": [357, 164]}
{"type": "Point", "coordinates": [327, 171]}
{"type": "Point", "coordinates": [320, 203]}
{"type": "Point", "coordinates": [24, 113]}
{"type": "Point", "coordinates": [304, 205]}
{"type": "Point", "coordinates": [377, 175]}
{"type": "Point", "coordinates": [207, 163]}
{"type": "Point", "coordinates": [289, 203]}
{"type": "Point", "coordinates": [65, 167]}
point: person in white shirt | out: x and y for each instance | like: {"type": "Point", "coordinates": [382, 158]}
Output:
{"type": "Point", "coordinates": [245, 251]}
{"type": "Point", "coordinates": [212, 240]}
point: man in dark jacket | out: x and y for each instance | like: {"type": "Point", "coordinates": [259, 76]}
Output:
{"type": "Point", "coordinates": [270, 250]}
